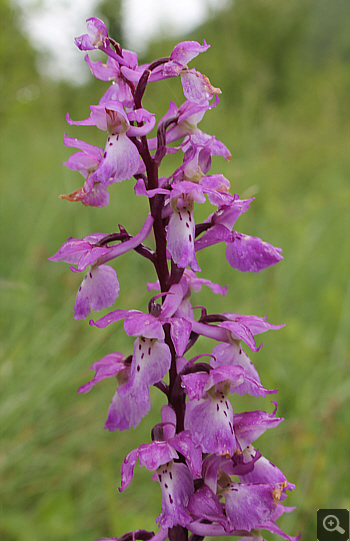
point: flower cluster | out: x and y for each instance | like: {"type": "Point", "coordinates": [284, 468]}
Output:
{"type": "Point", "coordinates": [213, 480]}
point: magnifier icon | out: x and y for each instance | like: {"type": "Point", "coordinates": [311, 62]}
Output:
{"type": "Point", "coordinates": [331, 524]}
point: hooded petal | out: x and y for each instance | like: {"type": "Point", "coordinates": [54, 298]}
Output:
{"type": "Point", "coordinates": [233, 354]}
{"type": "Point", "coordinates": [180, 330]}
{"type": "Point", "coordinates": [145, 325]}
{"type": "Point", "coordinates": [183, 443]}
{"type": "Point", "coordinates": [97, 35]}
{"type": "Point", "coordinates": [200, 382]}
{"type": "Point", "coordinates": [155, 454]}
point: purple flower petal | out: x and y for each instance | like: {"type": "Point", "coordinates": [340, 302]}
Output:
{"type": "Point", "coordinates": [217, 233]}
{"type": "Point", "coordinates": [145, 325]}
{"type": "Point", "coordinates": [127, 469]}
{"type": "Point", "coordinates": [185, 51]}
{"type": "Point", "coordinates": [264, 471]}
{"type": "Point", "coordinates": [232, 374]}
{"type": "Point", "coordinates": [209, 421]}
{"type": "Point", "coordinates": [211, 465]}
{"type": "Point", "coordinates": [183, 443]}
{"type": "Point", "coordinates": [112, 317]}
{"type": "Point", "coordinates": [155, 454]}
{"type": "Point", "coordinates": [233, 354]}
{"type": "Point", "coordinates": [180, 330]}
{"type": "Point", "coordinates": [98, 290]}
{"type": "Point", "coordinates": [172, 301]}
{"type": "Point", "coordinates": [197, 87]}
{"type": "Point", "coordinates": [97, 35]}
{"type": "Point", "coordinates": [229, 214]}
{"type": "Point", "coordinates": [196, 283]}
{"type": "Point", "coordinates": [97, 197]}
{"type": "Point", "coordinates": [168, 417]}
{"type": "Point", "coordinates": [120, 160]}
{"type": "Point", "coordinates": [176, 484]}
{"type": "Point", "coordinates": [274, 528]}
{"type": "Point", "coordinates": [204, 504]}
{"type": "Point", "coordinates": [195, 384]}
{"type": "Point", "coordinates": [251, 424]}
{"type": "Point", "coordinates": [109, 366]}
{"type": "Point", "coordinates": [151, 361]}
{"type": "Point", "coordinates": [251, 504]}
{"type": "Point", "coordinates": [245, 327]}
{"type": "Point", "coordinates": [74, 249]}
{"type": "Point", "coordinates": [181, 234]}
{"type": "Point", "coordinates": [126, 412]}
{"type": "Point", "coordinates": [251, 254]}
{"type": "Point", "coordinates": [105, 72]}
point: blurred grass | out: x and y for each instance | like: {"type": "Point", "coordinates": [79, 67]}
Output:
{"type": "Point", "coordinates": [284, 115]}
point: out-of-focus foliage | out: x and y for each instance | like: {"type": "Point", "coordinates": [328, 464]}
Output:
{"type": "Point", "coordinates": [283, 70]}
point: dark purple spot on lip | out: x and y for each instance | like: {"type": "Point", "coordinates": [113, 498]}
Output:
{"type": "Point", "coordinates": [80, 288]}
{"type": "Point", "coordinates": [231, 427]}
{"type": "Point", "coordinates": [110, 144]}
{"type": "Point", "coordinates": [90, 274]}
{"type": "Point", "coordinates": [140, 347]}
{"type": "Point", "coordinates": [160, 478]}
{"type": "Point", "coordinates": [149, 351]}
{"type": "Point", "coordinates": [171, 475]}
{"type": "Point", "coordinates": [217, 407]}
{"type": "Point", "coordinates": [142, 356]}
{"type": "Point", "coordinates": [105, 154]}
{"type": "Point", "coordinates": [190, 238]}
{"type": "Point", "coordinates": [108, 139]}
{"type": "Point", "coordinates": [189, 216]}
{"type": "Point", "coordinates": [170, 498]}
{"type": "Point", "coordinates": [166, 486]}
{"type": "Point", "coordinates": [225, 413]}
{"type": "Point", "coordinates": [180, 216]}
{"type": "Point", "coordinates": [187, 224]}
{"type": "Point", "coordinates": [138, 368]}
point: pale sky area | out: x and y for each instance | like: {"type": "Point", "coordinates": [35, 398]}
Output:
{"type": "Point", "coordinates": [51, 26]}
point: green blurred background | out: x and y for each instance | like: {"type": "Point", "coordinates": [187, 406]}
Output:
{"type": "Point", "coordinates": [283, 71]}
